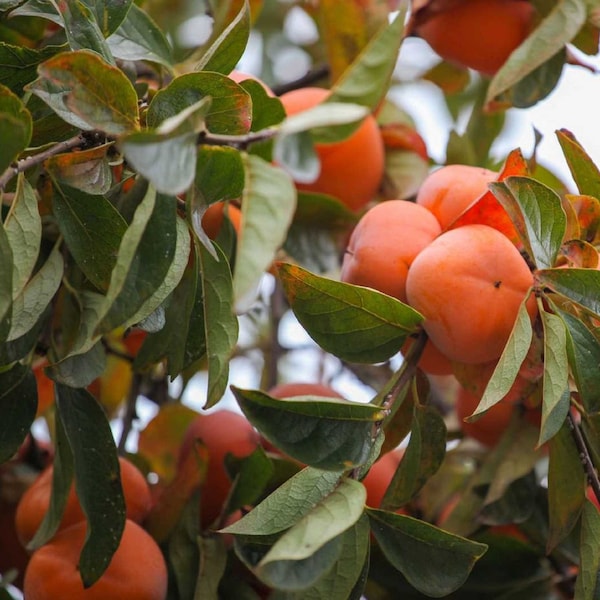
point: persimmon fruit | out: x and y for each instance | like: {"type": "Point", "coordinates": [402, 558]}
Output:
{"type": "Point", "coordinates": [479, 34]}
{"type": "Point", "coordinates": [379, 477]}
{"type": "Point", "coordinates": [239, 76]}
{"type": "Point", "coordinates": [469, 284]}
{"type": "Point", "coordinates": [432, 360]}
{"type": "Point", "coordinates": [35, 501]}
{"type": "Point", "coordinates": [222, 432]}
{"type": "Point", "coordinates": [384, 244]}
{"type": "Point", "coordinates": [137, 570]}
{"type": "Point", "coordinates": [448, 191]}
{"type": "Point", "coordinates": [212, 219]}
{"type": "Point", "coordinates": [351, 169]}
{"type": "Point", "coordinates": [299, 388]}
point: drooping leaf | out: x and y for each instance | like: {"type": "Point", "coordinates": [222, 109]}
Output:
{"type": "Point", "coordinates": [556, 396]}
{"type": "Point", "coordinates": [325, 434]}
{"type": "Point", "coordinates": [288, 504]}
{"type": "Point", "coordinates": [587, 584]}
{"type": "Point", "coordinates": [585, 173]}
{"type": "Point", "coordinates": [566, 486]}
{"type": "Point", "coordinates": [97, 482]}
{"type": "Point", "coordinates": [579, 285]}
{"type": "Point", "coordinates": [268, 206]}
{"type": "Point", "coordinates": [87, 92]}
{"type": "Point", "coordinates": [23, 227]}
{"type": "Point", "coordinates": [109, 13]}
{"type": "Point", "coordinates": [80, 370]}
{"type": "Point", "coordinates": [80, 217]}
{"type": "Point", "coordinates": [354, 323]}
{"type": "Point", "coordinates": [221, 325]}
{"type": "Point", "coordinates": [422, 458]}
{"type": "Point", "coordinates": [432, 560]}
{"type": "Point", "coordinates": [18, 404]}
{"type": "Point", "coordinates": [138, 37]}
{"type": "Point", "coordinates": [212, 567]}
{"type": "Point", "coordinates": [15, 127]}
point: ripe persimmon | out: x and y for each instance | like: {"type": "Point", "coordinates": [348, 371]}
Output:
{"type": "Point", "coordinates": [137, 570]}
{"type": "Point", "coordinates": [212, 219]}
{"type": "Point", "coordinates": [469, 284]}
{"type": "Point", "coordinates": [297, 388]}
{"type": "Point", "coordinates": [432, 361]}
{"type": "Point", "coordinates": [35, 501]}
{"type": "Point", "coordinates": [222, 432]}
{"type": "Point", "coordinates": [351, 169]}
{"type": "Point", "coordinates": [449, 190]}
{"type": "Point", "coordinates": [384, 244]}
{"type": "Point", "coordinates": [380, 475]}
{"type": "Point", "coordinates": [479, 34]}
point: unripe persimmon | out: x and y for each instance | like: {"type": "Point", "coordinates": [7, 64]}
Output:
{"type": "Point", "coordinates": [469, 284]}
{"type": "Point", "coordinates": [479, 34]}
{"type": "Point", "coordinates": [222, 432]}
{"type": "Point", "coordinates": [384, 244]}
{"type": "Point", "coordinates": [137, 570]}
{"type": "Point", "coordinates": [351, 169]}
{"type": "Point", "coordinates": [449, 190]}
{"type": "Point", "coordinates": [35, 501]}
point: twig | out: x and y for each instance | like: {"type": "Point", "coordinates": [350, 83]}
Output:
{"type": "Point", "coordinates": [278, 307]}
{"type": "Point", "coordinates": [36, 159]}
{"type": "Point", "coordinates": [314, 75]}
{"type": "Point", "coordinates": [237, 141]}
{"type": "Point", "coordinates": [586, 459]}
{"type": "Point", "coordinates": [130, 412]}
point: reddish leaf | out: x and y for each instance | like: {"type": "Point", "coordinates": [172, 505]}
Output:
{"type": "Point", "coordinates": [587, 209]}
{"type": "Point", "coordinates": [399, 136]}
{"type": "Point", "coordinates": [580, 254]}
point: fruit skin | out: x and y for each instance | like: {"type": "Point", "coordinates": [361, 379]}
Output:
{"type": "Point", "coordinates": [448, 191]}
{"type": "Point", "coordinates": [379, 477]}
{"type": "Point", "coordinates": [239, 76]}
{"type": "Point", "coordinates": [351, 169]}
{"type": "Point", "coordinates": [432, 361]}
{"type": "Point", "coordinates": [469, 283]}
{"type": "Point", "coordinates": [36, 500]}
{"type": "Point", "coordinates": [384, 244]}
{"type": "Point", "coordinates": [291, 389]}
{"type": "Point", "coordinates": [212, 219]}
{"type": "Point", "coordinates": [479, 34]}
{"type": "Point", "coordinates": [222, 432]}
{"type": "Point", "coordinates": [137, 570]}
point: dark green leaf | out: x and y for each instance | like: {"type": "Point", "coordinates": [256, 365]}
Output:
{"type": "Point", "coordinates": [97, 482]}
{"type": "Point", "coordinates": [288, 504]}
{"type": "Point", "coordinates": [266, 110]}
{"type": "Point", "coordinates": [15, 127]}
{"type": "Point", "coordinates": [355, 323]}
{"type": "Point", "coordinates": [219, 174]}
{"type": "Point", "coordinates": [230, 109]}
{"type": "Point", "coordinates": [587, 586]}
{"type": "Point", "coordinates": [39, 8]}
{"type": "Point", "coordinates": [556, 396]}
{"type": "Point", "coordinates": [18, 64]}
{"type": "Point", "coordinates": [225, 48]}
{"type": "Point", "coordinates": [433, 561]}
{"type": "Point", "coordinates": [18, 404]}
{"type": "Point", "coordinates": [82, 369]}
{"type": "Point", "coordinates": [579, 285]}
{"type": "Point", "coordinates": [212, 568]}
{"type": "Point", "coordinates": [514, 506]}
{"type": "Point", "coordinates": [6, 285]}
{"type": "Point", "coordinates": [21, 347]}
{"type": "Point", "coordinates": [584, 357]}
{"type": "Point", "coordinates": [109, 13]}
{"type": "Point", "coordinates": [423, 456]}
{"type": "Point", "coordinates": [139, 38]}
{"type": "Point", "coordinates": [326, 434]}
{"type": "Point", "coordinates": [566, 486]}
{"type": "Point", "coordinates": [268, 207]}
{"type": "Point", "coordinates": [221, 325]}
{"type": "Point", "coordinates": [87, 92]}
{"type": "Point", "coordinates": [80, 217]}
{"type": "Point", "coordinates": [585, 173]}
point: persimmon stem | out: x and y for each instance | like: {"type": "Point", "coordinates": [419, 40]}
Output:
{"type": "Point", "coordinates": [36, 159]}
{"type": "Point", "coordinates": [584, 454]}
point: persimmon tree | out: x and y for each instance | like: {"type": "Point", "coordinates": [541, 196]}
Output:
{"type": "Point", "coordinates": [114, 144]}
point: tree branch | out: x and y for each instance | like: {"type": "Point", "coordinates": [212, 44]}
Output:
{"type": "Point", "coordinates": [586, 459]}
{"type": "Point", "coordinates": [314, 75]}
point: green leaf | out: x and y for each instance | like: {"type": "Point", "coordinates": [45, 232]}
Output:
{"type": "Point", "coordinates": [266, 110]}
{"type": "Point", "coordinates": [82, 30]}
{"type": "Point", "coordinates": [219, 175]}
{"type": "Point", "coordinates": [355, 323]}
{"type": "Point", "coordinates": [566, 486]}
{"type": "Point", "coordinates": [584, 357]}
{"type": "Point", "coordinates": [36, 295]}
{"type": "Point", "coordinates": [288, 504]}
{"type": "Point", "coordinates": [139, 38]}
{"type": "Point", "coordinates": [21, 347]}
{"type": "Point", "coordinates": [225, 48]}
{"type": "Point", "coordinates": [80, 216]}
{"type": "Point", "coordinates": [587, 586]}
{"type": "Point", "coordinates": [585, 173]}
{"type": "Point", "coordinates": [18, 64]}
{"type": "Point", "coordinates": [510, 361]}
{"type": "Point", "coordinates": [545, 219]}
{"type": "Point", "coordinates": [296, 154]}
{"type": "Point", "coordinates": [212, 568]}
{"type": "Point", "coordinates": [340, 580]}
{"type": "Point", "coordinates": [558, 28]}
{"type": "Point", "coordinates": [579, 285]}
{"type": "Point", "coordinates": [18, 404]}
{"type": "Point", "coordinates": [221, 325]}
{"type": "Point", "coordinates": [109, 13]}
{"type": "Point", "coordinates": [326, 434]}
{"type": "Point", "coordinates": [268, 207]}
{"type": "Point", "coordinates": [23, 226]}
{"type": "Point", "coordinates": [6, 285]}
{"type": "Point", "coordinates": [433, 561]}
{"type": "Point", "coordinates": [39, 8]}
{"type": "Point", "coordinates": [423, 456]}
{"type": "Point", "coordinates": [230, 109]}
{"type": "Point", "coordinates": [87, 92]}
{"type": "Point", "coordinates": [15, 127]}
{"type": "Point", "coordinates": [556, 396]}
{"type": "Point", "coordinates": [97, 482]}
{"type": "Point", "coordinates": [80, 370]}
